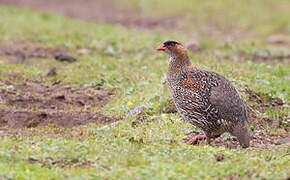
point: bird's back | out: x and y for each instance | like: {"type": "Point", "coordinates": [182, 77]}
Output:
{"type": "Point", "coordinates": [207, 100]}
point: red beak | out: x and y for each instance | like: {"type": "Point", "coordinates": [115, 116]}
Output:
{"type": "Point", "coordinates": [161, 48]}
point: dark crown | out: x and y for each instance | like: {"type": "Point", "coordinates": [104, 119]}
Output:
{"type": "Point", "coordinates": [170, 43]}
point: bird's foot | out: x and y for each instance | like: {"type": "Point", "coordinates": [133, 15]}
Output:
{"type": "Point", "coordinates": [197, 138]}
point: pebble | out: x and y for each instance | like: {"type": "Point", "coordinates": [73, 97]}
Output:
{"type": "Point", "coordinates": [63, 57]}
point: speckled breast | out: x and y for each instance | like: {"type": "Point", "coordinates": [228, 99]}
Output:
{"type": "Point", "coordinates": [191, 92]}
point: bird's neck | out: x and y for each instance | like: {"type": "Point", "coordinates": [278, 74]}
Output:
{"type": "Point", "coordinates": [178, 64]}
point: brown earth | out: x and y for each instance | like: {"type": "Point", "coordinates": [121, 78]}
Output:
{"type": "Point", "coordinates": [31, 104]}
{"type": "Point", "coordinates": [40, 96]}
{"type": "Point", "coordinates": [20, 118]}
{"type": "Point", "coordinates": [27, 52]}
{"type": "Point", "coordinates": [259, 103]}
{"type": "Point", "coordinates": [265, 58]}
{"type": "Point", "coordinates": [271, 58]}
{"type": "Point", "coordinates": [257, 141]}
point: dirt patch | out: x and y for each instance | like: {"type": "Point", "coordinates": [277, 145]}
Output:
{"type": "Point", "coordinates": [266, 58]}
{"type": "Point", "coordinates": [257, 141]}
{"type": "Point", "coordinates": [256, 57]}
{"type": "Point", "coordinates": [51, 97]}
{"type": "Point", "coordinates": [259, 103]}
{"type": "Point", "coordinates": [97, 11]}
{"type": "Point", "coordinates": [39, 96]}
{"type": "Point", "coordinates": [32, 105]}
{"type": "Point", "coordinates": [27, 52]}
{"type": "Point", "coordinates": [16, 118]}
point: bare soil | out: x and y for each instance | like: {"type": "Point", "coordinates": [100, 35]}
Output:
{"type": "Point", "coordinates": [27, 52]}
{"type": "Point", "coordinates": [258, 141]}
{"type": "Point", "coordinates": [266, 58]}
{"type": "Point", "coordinates": [28, 118]}
{"type": "Point", "coordinates": [258, 103]}
{"type": "Point", "coordinates": [31, 104]}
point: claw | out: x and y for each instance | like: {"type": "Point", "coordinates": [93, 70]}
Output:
{"type": "Point", "coordinates": [198, 138]}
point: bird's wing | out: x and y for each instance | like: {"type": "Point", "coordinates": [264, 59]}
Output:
{"type": "Point", "coordinates": [227, 101]}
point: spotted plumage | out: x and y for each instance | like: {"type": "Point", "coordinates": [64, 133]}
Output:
{"type": "Point", "coordinates": [203, 98]}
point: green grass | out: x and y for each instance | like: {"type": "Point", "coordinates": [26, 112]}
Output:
{"type": "Point", "coordinates": [126, 60]}
{"type": "Point", "coordinates": [161, 154]}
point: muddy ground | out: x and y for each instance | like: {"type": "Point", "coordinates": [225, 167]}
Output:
{"type": "Point", "coordinates": [27, 52]}
{"type": "Point", "coordinates": [24, 103]}
{"type": "Point", "coordinates": [263, 141]}
{"type": "Point", "coordinates": [31, 104]}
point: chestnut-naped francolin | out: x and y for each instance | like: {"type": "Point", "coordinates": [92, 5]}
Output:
{"type": "Point", "coordinates": [203, 98]}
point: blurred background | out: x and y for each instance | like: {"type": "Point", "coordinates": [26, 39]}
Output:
{"type": "Point", "coordinates": [222, 19]}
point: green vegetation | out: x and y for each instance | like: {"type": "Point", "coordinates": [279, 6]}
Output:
{"type": "Point", "coordinates": [125, 60]}
{"type": "Point", "coordinates": [152, 150]}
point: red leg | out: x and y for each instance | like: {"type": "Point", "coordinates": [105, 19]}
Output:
{"type": "Point", "coordinates": [197, 138]}
{"type": "Point", "coordinates": [207, 139]}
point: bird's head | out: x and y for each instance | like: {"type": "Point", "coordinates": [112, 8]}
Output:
{"type": "Point", "coordinates": [173, 48]}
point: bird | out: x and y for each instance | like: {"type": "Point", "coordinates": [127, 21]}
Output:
{"type": "Point", "coordinates": [203, 98]}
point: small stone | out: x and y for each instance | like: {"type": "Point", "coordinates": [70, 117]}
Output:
{"type": "Point", "coordinates": [56, 82]}
{"type": "Point", "coordinates": [63, 57]}
{"type": "Point", "coordinates": [52, 72]}
{"type": "Point", "coordinates": [60, 97]}
{"type": "Point", "coordinates": [173, 141]}
{"type": "Point", "coordinates": [131, 139]}
{"type": "Point", "coordinates": [276, 142]}
{"type": "Point", "coordinates": [32, 160]}
{"type": "Point", "coordinates": [219, 157]}
{"type": "Point", "coordinates": [39, 53]}
{"type": "Point", "coordinates": [20, 56]}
